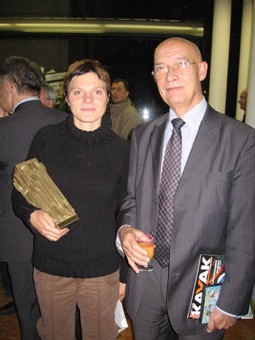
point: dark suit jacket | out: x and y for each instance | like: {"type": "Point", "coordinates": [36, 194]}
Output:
{"type": "Point", "coordinates": [16, 134]}
{"type": "Point", "coordinates": [214, 212]}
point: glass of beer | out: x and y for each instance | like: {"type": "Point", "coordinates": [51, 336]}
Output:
{"type": "Point", "coordinates": [147, 242]}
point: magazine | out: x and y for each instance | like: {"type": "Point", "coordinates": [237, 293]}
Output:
{"type": "Point", "coordinates": [209, 278]}
{"type": "Point", "coordinates": [210, 298]}
{"type": "Point", "coordinates": [210, 273]}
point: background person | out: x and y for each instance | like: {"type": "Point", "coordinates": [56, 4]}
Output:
{"type": "Point", "coordinates": [9, 308]}
{"type": "Point", "coordinates": [20, 85]}
{"type": "Point", "coordinates": [242, 101]}
{"type": "Point", "coordinates": [212, 206]}
{"type": "Point", "coordinates": [88, 162]}
{"type": "Point", "coordinates": [3, 113]}
{"type": "Point", "coordinates": [124, 115]}
{"type": "Point", "coordinates": [47, 95]}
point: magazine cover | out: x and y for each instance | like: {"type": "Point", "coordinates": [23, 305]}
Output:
{"type": "Point", "coordinates": [209, 278]}
{"type": "Point", "coordinates": [210, 298]}
{"type": "Point", "coordinates": [210, 272]}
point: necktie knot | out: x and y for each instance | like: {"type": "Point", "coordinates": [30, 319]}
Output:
{"type": "Point", "coordinates": [177, 123]}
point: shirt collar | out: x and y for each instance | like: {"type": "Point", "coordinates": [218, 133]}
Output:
{"type": "Point", "coordinates": [194, 116]}
{"type": "Point", "coordinates": [25, 100]}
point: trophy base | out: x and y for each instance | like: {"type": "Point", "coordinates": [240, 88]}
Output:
{"type": "Point", "coordinates": [66, 222]}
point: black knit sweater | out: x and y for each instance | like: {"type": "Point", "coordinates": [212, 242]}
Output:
{"type": "Point", "coordinates": [90, 168]}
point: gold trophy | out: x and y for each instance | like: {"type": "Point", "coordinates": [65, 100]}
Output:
{"type": "Point", "coordinates": [33, 182]}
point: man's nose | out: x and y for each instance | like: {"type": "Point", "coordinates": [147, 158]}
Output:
{"type": "Point", "coordinates": [171, 75]}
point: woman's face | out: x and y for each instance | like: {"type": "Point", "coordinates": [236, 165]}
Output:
{"type": "Point", "coordinates": [87, 98]}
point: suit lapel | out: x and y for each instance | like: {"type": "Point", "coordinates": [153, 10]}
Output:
{"type": "Point", "coordinates": [204, 140]}
{"type": "Point", "coordinates": [157, 140]}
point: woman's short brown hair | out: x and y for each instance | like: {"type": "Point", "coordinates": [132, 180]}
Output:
{"type": "Point", "coordinates": [84, 66]}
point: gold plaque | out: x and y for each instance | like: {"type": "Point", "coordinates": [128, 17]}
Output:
{"type": "Point", "coordinates": [33, 182]}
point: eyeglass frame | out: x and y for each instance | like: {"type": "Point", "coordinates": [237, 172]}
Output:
{"type": "Point", "coordinates": [166, 68]}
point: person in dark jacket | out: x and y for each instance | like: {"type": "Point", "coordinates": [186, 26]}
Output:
{"type": "Point", "coordinates": [20, 85]}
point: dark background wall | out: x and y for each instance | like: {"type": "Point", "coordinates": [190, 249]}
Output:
{"type": "Point", "coordinates": [126, 56]}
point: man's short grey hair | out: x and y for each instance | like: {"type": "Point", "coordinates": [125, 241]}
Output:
{"type": "Point", "coordinates": [50, 93]}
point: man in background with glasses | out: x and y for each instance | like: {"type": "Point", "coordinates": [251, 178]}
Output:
{"type": "Point", "coordinates": [47, 95]}
{"type": "Point", "coordinates": [209, 159]}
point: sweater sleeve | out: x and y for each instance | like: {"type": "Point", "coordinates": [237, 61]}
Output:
{"type": "Point", "coordinates": [123, 193]}
{"type": "Point", "coordinates": [22, 209]}
{"type": "Point", "coordinates": [124, 171]}
{"type": "Point", "coordinates": [123, 270]}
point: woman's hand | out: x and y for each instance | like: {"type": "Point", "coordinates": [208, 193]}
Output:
{"type": "Point", "coordinates": [122, 291]}
{"type": "Point", "coordinates": [45, 225]}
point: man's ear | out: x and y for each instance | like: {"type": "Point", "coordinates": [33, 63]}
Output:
{"type": "Point", "coordinates": [10, 87]}
{"type": "Point", "coordinates": [203, 66]}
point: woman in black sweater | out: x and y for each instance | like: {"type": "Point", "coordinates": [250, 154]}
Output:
{"type": "Point", "coordinates": [79, 265]}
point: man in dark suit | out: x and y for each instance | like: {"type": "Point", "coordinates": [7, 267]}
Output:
{"type": "Point", "coordinates": [213, 205]}
{"type": "Point", "coordinates": [19, 94]}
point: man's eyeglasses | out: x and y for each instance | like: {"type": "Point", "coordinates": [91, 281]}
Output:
{"type": "Point", "coordinates": [178, 67]}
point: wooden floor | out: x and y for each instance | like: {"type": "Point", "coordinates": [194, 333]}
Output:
{"type": "Point", "coordinates": [9, 329]}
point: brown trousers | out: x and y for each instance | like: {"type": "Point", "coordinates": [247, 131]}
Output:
{"type": "Point", "coordinates": [95, 297]}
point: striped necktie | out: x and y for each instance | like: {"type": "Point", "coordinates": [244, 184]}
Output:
{"type": "Point", "coordinates": [170, 177]}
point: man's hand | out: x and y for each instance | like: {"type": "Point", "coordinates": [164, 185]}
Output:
{"type": "Point", "coordinates": [219, 320]}
{"type": "Point", "coordinates": [45, 225]}
{"type": "Point", "coordinates": [134, 252]}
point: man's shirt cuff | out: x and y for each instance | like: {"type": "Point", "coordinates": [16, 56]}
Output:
{"type": "Point", "coordinates": [222, 311]}
{"type": "Point", "coordinates": [118, 243]}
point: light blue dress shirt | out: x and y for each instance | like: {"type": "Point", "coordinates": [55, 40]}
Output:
{"type": "Point", "coordinates": [189, 131]}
